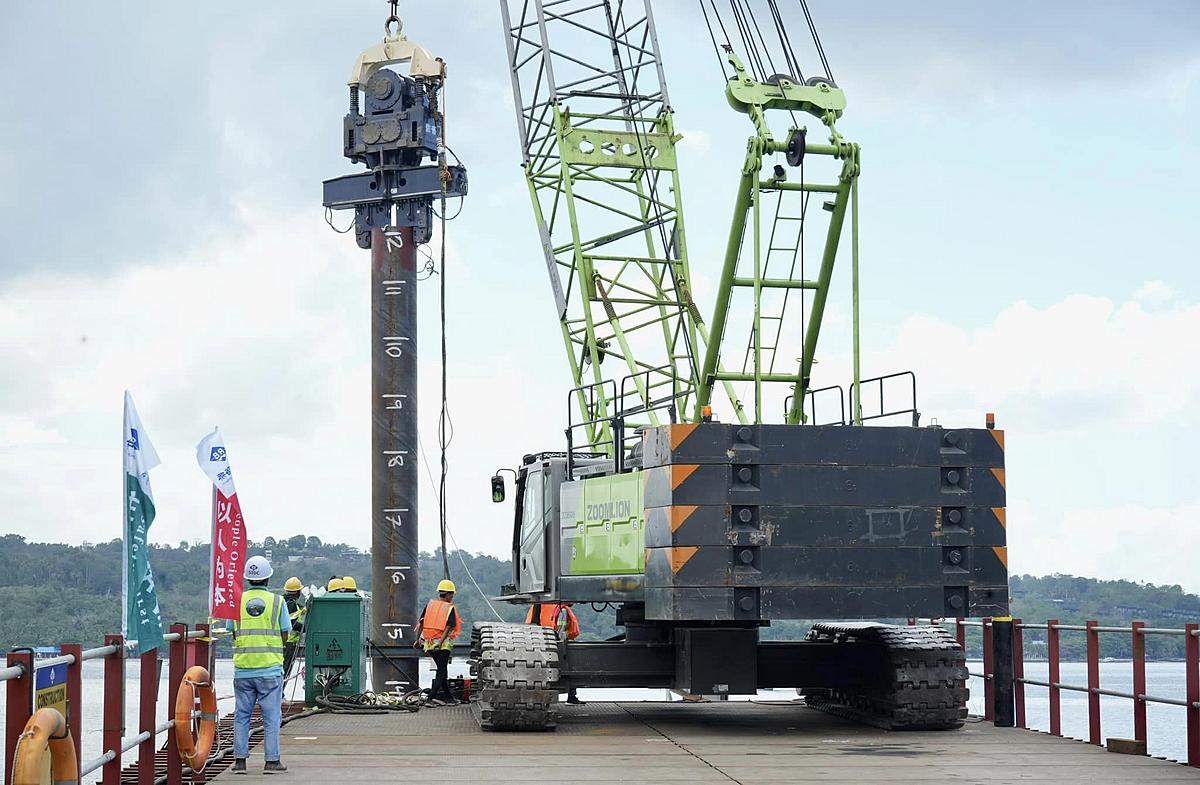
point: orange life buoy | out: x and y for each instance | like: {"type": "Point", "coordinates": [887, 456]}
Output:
{"type": "Point", "coordinates": [194, 748]}
{"type": "Point", "coordinates": [46, 732]}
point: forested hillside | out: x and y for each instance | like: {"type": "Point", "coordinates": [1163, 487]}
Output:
{"type": "Point", "coordinates": [66, 593]}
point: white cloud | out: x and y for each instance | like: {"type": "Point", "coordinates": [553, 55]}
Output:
{"type": "Point", "coordinates": [265, 334]}
{"type": "Point", "coordinates": [17, 431]}
{"type": "Point", "coordinates": [1082, 362]}
{"type": "Point", "coordinates": [1099, 400]}
{"type": "Point", "coordinates": [1155, 544]}
{"type": "Point", "coordinates": [696, 141]}
{"type": "Point", "coordinates": [1153, 293]}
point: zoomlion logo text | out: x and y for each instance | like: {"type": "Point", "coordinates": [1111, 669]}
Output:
{"type": "Point", "coordinates": [608, 511]}
{"type": "Point", "coordinates": [217, 454]}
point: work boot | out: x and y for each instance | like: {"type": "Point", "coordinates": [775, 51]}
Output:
{"type": "Point", "coordinates": [573, 699]}
{"type": "Point", "coordinates": [239, 766]}
{"type": "Point", "coordinates": [274, 767]}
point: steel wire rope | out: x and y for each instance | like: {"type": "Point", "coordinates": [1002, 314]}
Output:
{"type": "Point", "coordinates": [721, 23]}
{"type": "Point", "coordinates": [785, 41]}
{"type": "Point", "coordinates": [753, 20]}
{"type": "Point", "coordinates": [812, 28]}
{"type": "Point", "coordinates": [445, 423]}
{"type": "Point", "coordinates": [753, 56]}
{"type": "Point", "coordinates": [450, 533]}
{"type": "Point", "coordinates": [712, 37]}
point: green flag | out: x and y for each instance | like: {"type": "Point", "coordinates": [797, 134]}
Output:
{"type": "Point", "coordinates": [141, 622]}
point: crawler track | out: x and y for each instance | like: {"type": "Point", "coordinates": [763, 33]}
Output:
{"type": "Point", "coordinates": [926, 688]}
{"type": "Point", "coordinates": [516, 671]}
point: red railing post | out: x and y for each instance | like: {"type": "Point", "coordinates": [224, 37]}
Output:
{"type": "Point", "coordinates": [912, 622]}
{"type": "Point", "coordinates": [1139, 681]}
{"type": "Point", "coordinates": [1019, 671]}
{"type": "Point", "coordinates": [1192, 656]}
{"type": "Point", "coordinates": [147, 705]}
{"type": "Point", "coordinates": [960, 632]}
{"type": "Point", "coordinates": [1052, 665]}
{"type": "Point", "coordinates": [201, 651]}
{"type": "Point", "coordinates": [114, 708]}
{"type": "Point", "coordinates": [1093, 676]}
{"type": "Point", "coordinates": [177, 666]}
{"type": "Point", "coordinates": [18, 705]}
{"type": "Point", "coordinates": [989, 712]}
{"type": "Point", "coordinates": [75, 695]}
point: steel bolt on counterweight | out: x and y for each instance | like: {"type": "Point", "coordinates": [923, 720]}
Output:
{"type": "Point", "coordinates": [394, 453]}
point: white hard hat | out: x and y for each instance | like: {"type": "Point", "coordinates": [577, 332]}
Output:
{"type": "Point", "coordinates": [257, 569]}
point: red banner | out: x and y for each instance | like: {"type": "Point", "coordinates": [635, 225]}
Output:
{"type": "Point", "coordinates": [228, 555]}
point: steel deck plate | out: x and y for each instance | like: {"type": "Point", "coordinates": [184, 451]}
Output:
{"type": "Point", "coordinates": [634, 743]}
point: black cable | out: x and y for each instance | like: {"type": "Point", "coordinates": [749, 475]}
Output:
{"type": "Point", "coordinates": [713, 38]}
{"type": "Point", "coordinates": [445, 424]}
{"type": "Point", "coordinates": [720, 22]}
{"type": "Point", "coordinates": [785, 41]}
{"type": "Point", "coordinates": [753, 19]}
{"type": "Point", "coordinates": [812, 28]}
{"type": "Point", "coordinates": [753, 56]}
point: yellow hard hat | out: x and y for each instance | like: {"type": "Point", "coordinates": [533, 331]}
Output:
{"type": "Point", "coordinates": [446, 585]}
{"type": "Point", "coordinates": [293, 584]}
{"type": "Point", "coordinates": [349, 584]}
{"type": "Point", "coordinates": [335, 584]}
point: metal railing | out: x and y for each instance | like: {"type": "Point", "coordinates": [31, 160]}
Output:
{"type": "Point", "coordinates": [185, 647]}
{"type": "Point", "coordinates": [1092, 629]}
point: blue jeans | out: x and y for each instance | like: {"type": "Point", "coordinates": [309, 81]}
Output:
{"type": "Point", "coordinates": [268, 694]}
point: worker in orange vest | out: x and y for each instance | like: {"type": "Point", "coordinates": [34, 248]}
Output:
{"type": "Point", "coordinates": [559, 617]}
{"type": "Point", "coordinates": [436, 630]}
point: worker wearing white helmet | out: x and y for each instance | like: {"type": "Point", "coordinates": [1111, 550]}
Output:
{"type": "Point", "coordinates": [258, 645]}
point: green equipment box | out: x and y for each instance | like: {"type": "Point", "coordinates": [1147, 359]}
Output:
{"type": "Point", "coordinates": [335, 653]}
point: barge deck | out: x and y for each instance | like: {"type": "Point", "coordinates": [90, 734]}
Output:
{"type": "Point", "coordinates": [674, 742]}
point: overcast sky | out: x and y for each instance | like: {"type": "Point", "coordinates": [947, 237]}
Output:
{"type": "Point", "coordinates": [1029, 208]}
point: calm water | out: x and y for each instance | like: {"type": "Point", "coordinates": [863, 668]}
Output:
{"type": "Point", "coordinates": [1165, 679]}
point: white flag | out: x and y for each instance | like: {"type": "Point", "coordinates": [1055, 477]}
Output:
{"type": "Point", "coordinates": [141, 620]}
{"type": "Point", "coordinates": [214, 461]}
{"type": "Point", "coordinates": [140, 455]}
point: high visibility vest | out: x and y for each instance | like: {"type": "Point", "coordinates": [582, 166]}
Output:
{"type": "Point", "coordinates": [437, 614]}
{"type": "Point", "coordinates": [259, 641]}
{"type": "Point", "coordinates": [296, 613]}
{"type": "Point", "coordinates": [556, 616]}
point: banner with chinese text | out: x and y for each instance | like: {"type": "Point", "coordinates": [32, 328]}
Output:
{"type": "Point", "coordinates": [228, 530]}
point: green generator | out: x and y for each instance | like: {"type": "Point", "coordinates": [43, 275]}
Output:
{"type": "Point", "coordinates": [335, 649]}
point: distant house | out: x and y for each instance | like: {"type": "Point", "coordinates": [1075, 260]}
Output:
{"type": "Point", "coordinates": [45, 652]}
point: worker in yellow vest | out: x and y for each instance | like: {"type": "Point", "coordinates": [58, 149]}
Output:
{"type": "Point", "coordinates": [436, 630]}
{"type": "Point", "coordinates": [297, 609]}
{"type": "Point", "coordinates": [559, 617]}
{"type": "Point", "coordinates": [258, 643]}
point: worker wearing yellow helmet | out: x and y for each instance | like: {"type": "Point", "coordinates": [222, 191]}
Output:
{"type": "Point", "coordinates": [349, 585]}
{"type": "Point", "coordinates": [335, 585]}
{"type": "Point", "coordinates": [297, 609]}
{"type": "Point", "coordinates": [436, 630]}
